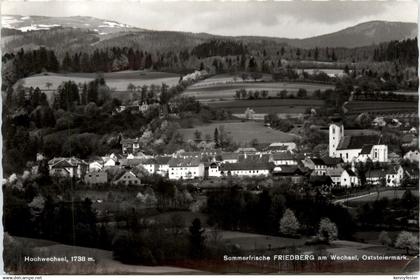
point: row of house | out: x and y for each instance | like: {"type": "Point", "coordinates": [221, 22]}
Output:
{"type": "Point", "coordinates": [242, 163]}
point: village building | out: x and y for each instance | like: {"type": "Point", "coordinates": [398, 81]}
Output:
{"type": "Point", "coordinates": [158, 165]}
{"type": "Point", "coordinates": [130, 146]}
{"type": "Point", "coordinates": [282, 147]}
{"type": "Point", "coordinates": [127, 178]}
{"type": "Point", "coordinates": [285, 158]}
{"type": "Point", "coordinates": [394, 176]}
{"type": "Point", "coordinates": [321, 166]}
{"type": "Point", "coordinates": [230, 157]}
{"type": "Point", "coordinates": [96, 177]}
{"type": "Point", "coordinates": [349, 178]}
{"type": "Point", "coordinates": [185, 168]}
{"type": "Point", "coordinates": [355, 148]}
{"type": "Point", "coordinates": [294, 173]}
{"type": "Point", "coordinates": [214, 169]}
{"type": "Point", "coordinates": [248, 168]}
{"type": "Point", "coordinates": [412, 156]}
{"type": "Point", "coordinates": [67, 167]}
{"type": "Point", "coordinates": [375, 176]}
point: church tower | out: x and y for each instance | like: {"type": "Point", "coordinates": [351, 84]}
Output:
{"type": "Point", "coordinates": [336, 133]}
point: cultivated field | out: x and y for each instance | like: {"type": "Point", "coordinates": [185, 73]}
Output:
{"type": "Point", "coordinates": [357, 107]}
{"type": "Point", "coordinates": [117, 81]}
{"type": "Point", "coordinates": [241, 132]}
{"type": "Point", "coordinates": [267, 106]}
{"type": "Point", "coordinates": [372, 196]}
{"type": "Point", "coordinates": [224, 87]}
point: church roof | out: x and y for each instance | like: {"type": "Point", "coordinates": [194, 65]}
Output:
{"type": "Point", "coordinates": [358, 141]}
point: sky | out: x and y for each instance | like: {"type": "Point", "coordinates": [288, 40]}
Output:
{"type": "Point", "coordinates": [292, 19]}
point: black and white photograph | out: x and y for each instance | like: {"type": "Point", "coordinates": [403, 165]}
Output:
{"type": "Point", "coordinates": [210, 137]}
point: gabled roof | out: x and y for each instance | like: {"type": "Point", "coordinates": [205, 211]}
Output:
{"type": "Point", "coordinates": [283, 156]}
{"type": "Point", "coordinates": [128, 172]}
{"type": "Point", "coordinates": [288, 170]}
{"type": "Point", "coordinates": [318, 161]}
{"type": "Point", "coordinates": [320, 180]}
{"type": "Point", "coordinates": [366, 149]}
{"type": "Point", "coordinates": [350, 172]}
{"type": "Point", "coordinates": [375, 173]}
{"type": "Point", "coordinates": [332, 161]}
{"type": "Point", "coordinates": [230, 156]}
{"type": "Point", "coordinates": [129, 141]}
{"type": "Point", "coordinates": [247, 165]}
{"type": "Point", "coordinates": [357, 141]}
{"type": "Point", "coordinates": [160, 160]}
{"type": "Point", "coordinates": [392, 169]}
{"type": "Point", "coordinates": [184, 162]}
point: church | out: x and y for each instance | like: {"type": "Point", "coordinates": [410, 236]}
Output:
{"type": "Point", "coordinates": [354, 148]}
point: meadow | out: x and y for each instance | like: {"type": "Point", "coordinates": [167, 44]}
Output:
{"type": "Point", "coordinates": [117, 81]}
{"type": "Point", "coordinates": [357, 107]}
{"type": "Point", "coordinates": [268, 106]}
{"type": "Point", "coordinates": [219, 88]}
{"type": "Point", "coordinates": [241, 132]}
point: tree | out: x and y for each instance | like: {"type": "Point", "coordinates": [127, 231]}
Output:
{"type": "Point", "coordinates": [407, 241]}
{"type": "Point", "coordinates": [48, 85]}
{"type": "Point", "coordinates": [327, 230]}
{"type": "Point", "coordinates": [384, 238]}
{"type": "Point", "coordinates": [302, 93]}
{"type": "Point", "coordinates": [216, 137]}
{"type": "Point", "coordinates": [289, 225]}
{"type": "Point", "coordinates": [197, 239]}
{"type": "Point", "coordinates": [197, 134]}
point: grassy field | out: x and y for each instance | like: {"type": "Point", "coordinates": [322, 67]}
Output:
{"type": "Point", "coordinates": [267, 106]}
{"type": "Point", "coordinates": [252, 241]}
{"type": "Point", "coordinates": [357, 107]}
{"type": "Point", "coordinates": [115, 80]}
{"type": "Point", "coordinates": [223, 89]}
{"type": "Point", "coordinates": [241, 132]}
{"type": "Point", "coordinates": [372, 196]}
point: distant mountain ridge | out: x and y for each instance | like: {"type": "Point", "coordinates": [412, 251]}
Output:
{"type": "Point", "coordinates": [34, 23]}
{"type": "Point", "coordinates": [108, 33]}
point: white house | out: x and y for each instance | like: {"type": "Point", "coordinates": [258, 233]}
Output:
{"type": "Point", "coordinates": [248, 168]}
{"type": "Point", "coordinates": [96, 165]}
{"type": "Point", "coordinates": [158, 165]}
{"type": "Point", "coordinates": [128, 178]}
{"type": "Point", "coordinates": [230, 157]}
{"type": "Point", "coordinates": [110, 162]}
{"type": "Point", "coordinates": [67, 167]}
{"type": "Point", "coordinates": [348, 179]}
{"type": "Point", "coordinates": [283, 158]}
{"type": "Point", "coordinates": [394, 176]}
{"type": "Point", "coordinates": [335, 174]}
{"type": "Point", "coordinates": [185, 168]}
{"type": "Point", "coordinates": [412, 156]}
{"type": "Point", "coordinates": [282, 146]}
{"type": "Point", "coordinates": [214, 170]}
{"type": "Point", "coordinates": [355, 148]}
